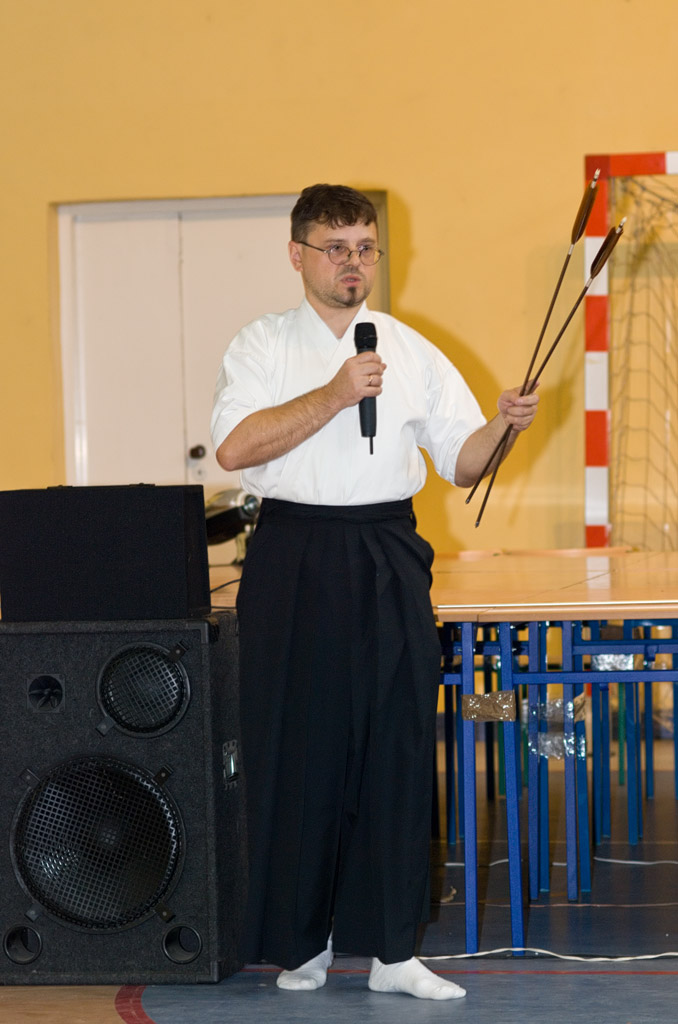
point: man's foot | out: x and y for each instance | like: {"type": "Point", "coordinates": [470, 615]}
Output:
{"type": "Point", "coordinates": [412, 977]}
{"type": "Point", "coordinates": [311, 975]}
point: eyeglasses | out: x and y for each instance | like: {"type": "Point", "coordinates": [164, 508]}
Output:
{"type": "Point", "coordinates": [339, 254]}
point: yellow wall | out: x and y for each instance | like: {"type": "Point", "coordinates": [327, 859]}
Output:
{"type": "Point", "coordinates": [475, 117]}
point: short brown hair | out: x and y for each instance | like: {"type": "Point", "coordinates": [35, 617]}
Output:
{"type": "Point", "coordinates": [336, 205]}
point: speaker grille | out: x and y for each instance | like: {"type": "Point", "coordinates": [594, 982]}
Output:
{"type": "Point", "coordinates": [97, 843]}
{"type": "Point", "coordinates": [144, 689]}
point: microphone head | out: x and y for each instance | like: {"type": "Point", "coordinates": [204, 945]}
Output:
{"type": "Point", "coordinates": [365, 336]}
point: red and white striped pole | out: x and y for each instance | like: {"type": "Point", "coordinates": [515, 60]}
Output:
{"type": "Point", "coordinates": [597, 336]}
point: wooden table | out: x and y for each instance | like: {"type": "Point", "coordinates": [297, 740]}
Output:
{"type": "Point", "coordinates": [533, 586]}
{"type": "Point", "coordinates": [565, 590]}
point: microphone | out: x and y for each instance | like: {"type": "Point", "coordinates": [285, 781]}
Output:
{"type": "Point", "coordinates": [366, 341]}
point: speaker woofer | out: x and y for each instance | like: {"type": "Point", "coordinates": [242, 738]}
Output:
{"type": "Point", "coordinates": [144, 689]}
{"type": "Point", "coordinates": [98, 844]}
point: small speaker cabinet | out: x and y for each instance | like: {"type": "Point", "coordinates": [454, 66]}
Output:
{"type": "Point", "coordinates": [70, 554]}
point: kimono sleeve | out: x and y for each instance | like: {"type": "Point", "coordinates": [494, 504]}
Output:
{"type": "Point", "coordinates": [244, 381]}
{"type": "Point", "coordinates": [453, 415]}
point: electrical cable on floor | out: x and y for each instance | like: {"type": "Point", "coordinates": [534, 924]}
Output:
{"type": "Point", "coordinates": [563, 864]}
{"type": "Point", "coordinates": [550, 953]}
{"type": "Point", "coordinates": [610, 860]}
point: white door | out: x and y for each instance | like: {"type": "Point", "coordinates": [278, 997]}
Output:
{"type": "Point", "coordinates": [151, 293]}
{"type": "Point", "coordinates": [228, 264]}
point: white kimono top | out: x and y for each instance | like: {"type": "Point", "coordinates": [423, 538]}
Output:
{"type": "Point", "coordinates": [425, 403]}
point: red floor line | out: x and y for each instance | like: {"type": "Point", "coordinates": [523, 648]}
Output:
{"type": "Point", "coordinates": [128, 1005]}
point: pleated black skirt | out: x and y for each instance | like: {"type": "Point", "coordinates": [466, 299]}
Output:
{"type": "Point", "coordinates": [340, 663]}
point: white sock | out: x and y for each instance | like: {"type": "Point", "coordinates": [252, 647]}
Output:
{"type": "Point", "coordinates": [311, 975]}
{"type": "Point", "coordinates": [412, 977]}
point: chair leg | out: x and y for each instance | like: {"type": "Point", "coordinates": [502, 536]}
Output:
{"type": "Point", "coordinates": [469, 786]}
{"type": "Point", "coordinates": [450, 775]}
{"type": "Point", "coordinates": [533, 828]}
{"type": "Point", "coordinates": [583, 829]}
{"type": "Point", "coordinates": [533, 809]}
{"type": "Point", "coordinates": [583, 817]}
{"type": "Point", "coordinates": [570, 770]}
{"type": "Point", "coordinates": [621, 731]}
{"type": "Point", "coordinates": [489, 736]}
{"type": "Point", "coordinates": [606, 751]}
{"type": "Point", "coordinates": [635, 829]}
{"type": "Point", "coordinates": [649, 741]}
{"type": "Point", "coordinates": [461, 794]}
{"type": "Point", "coordinates": [597, 759]}
{"type": "Point", "coordinates": [602, 794]}
{"type": "Point", "coordinates": [544, 807]}
{"type": "Point", "coordinates": [511, 732]}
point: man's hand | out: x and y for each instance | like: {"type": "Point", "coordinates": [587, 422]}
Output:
{"type": "Point", "coordinates": [359, 377]}
{"type": "Point", "coordinates": [269, 433]}
{"type": "Point", "coordinates": [517, 410]}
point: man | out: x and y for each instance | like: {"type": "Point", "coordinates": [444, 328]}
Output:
{"type": "Point", "coordinates": [340, 659]}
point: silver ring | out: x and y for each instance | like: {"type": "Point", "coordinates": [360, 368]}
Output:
{"type": "Point", "coordinates": [369, 382]}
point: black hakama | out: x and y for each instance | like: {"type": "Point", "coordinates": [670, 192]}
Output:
{"type": "Point", "coordinates": [340, 665]}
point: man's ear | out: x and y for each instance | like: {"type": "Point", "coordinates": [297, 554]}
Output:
{"type": "Point", "coordinates": [294, 251]}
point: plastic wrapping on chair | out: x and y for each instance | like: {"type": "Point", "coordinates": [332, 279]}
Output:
{"type": "Point", "coordinates": [553, 711]}
{"type": "Point", "coordinates": [556, 746]}
{"type": "Point", "coordinates": [553, 743]}
{"type": "Point", "coordinates": [498, 706]}
{"type": "Point", "coordinates": [612, 662]}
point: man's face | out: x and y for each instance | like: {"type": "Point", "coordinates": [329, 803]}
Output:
{"type": "Point", "coordinates": [332, 286]}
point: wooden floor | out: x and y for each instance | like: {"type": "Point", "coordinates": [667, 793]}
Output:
{"type": "Point", "coordinates": [67, 1005]}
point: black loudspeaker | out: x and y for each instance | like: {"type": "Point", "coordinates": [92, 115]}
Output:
{"type": "Point", "coordinates": [122, 855]}
{"type": "Point", "coordinates": [102, 553]}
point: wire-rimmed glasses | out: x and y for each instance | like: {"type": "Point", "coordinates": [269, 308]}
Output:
{"type": "Point", "coordinates": [339, 254]}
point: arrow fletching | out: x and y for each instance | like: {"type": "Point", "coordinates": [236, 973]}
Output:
{"type": "Point", "coordinates": [603, 254]}
{"type": "Point", "coordinates": [585, 207]}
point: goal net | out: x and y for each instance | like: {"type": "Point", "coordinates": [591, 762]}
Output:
{"type": "Point", "coordinates": [643, 363]}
